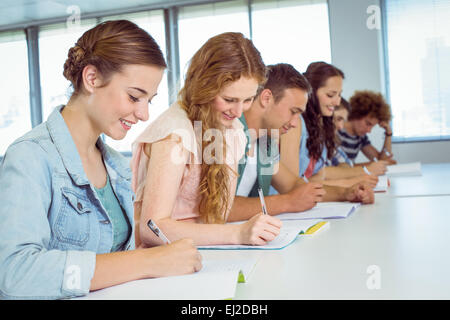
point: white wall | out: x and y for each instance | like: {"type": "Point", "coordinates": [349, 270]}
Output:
{"type": "Point", "coordinates": [358, 51]}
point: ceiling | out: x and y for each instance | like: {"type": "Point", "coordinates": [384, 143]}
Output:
{"type": "Point", "coordinates": [15, 14]}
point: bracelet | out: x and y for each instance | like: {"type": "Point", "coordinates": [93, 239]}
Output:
{"type": "Point", "coordinates": [388, 134]}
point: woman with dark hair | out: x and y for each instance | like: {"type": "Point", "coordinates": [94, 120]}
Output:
{"type": "Point", "coordinates": [67, 205]}
{"type": "Point", "coordinates": [315, 137]}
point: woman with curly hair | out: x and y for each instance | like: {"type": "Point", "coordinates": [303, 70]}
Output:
{"type": "Point", "coordinates": [185, 162]}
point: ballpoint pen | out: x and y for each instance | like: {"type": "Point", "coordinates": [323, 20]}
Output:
{"type": "Point", "coordinates": [152, 225]}
{"type": "Point", "coordinates": [366, 170]}
{"type": "Point", "coordinates": [263, 203]}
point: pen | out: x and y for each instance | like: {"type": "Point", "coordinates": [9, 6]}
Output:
{"type": "Point", "coordinates": [366, 170]}
{"type": "Point", "coordinates": [305, 178]}
{"type": "Point", "coordinates": [157, 231]}
{"type": "Point", "coordinates": [351, 163]}
{"type": "Point", "coordinates": [263, 203]}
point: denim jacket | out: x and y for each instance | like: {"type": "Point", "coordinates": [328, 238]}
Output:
{"type": "Point", "coordinates": [52, 222]}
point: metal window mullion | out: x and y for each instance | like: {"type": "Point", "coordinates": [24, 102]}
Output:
{"type": "Point", "coordinates": [172, 51]}
{"type": "Point", "coordinates": [34, 75]}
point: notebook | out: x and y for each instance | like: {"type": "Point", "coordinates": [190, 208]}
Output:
{"type": "Point", "coordinates": [405, 169]}
{"type": "Point", "coordinates": [216, 280]}
{"type": "Point", "coordinates": [288, 233]}
{"type": "Point", "coordinates": [323, 210]}
{"type": "Point", "coordinates": [382, 185]}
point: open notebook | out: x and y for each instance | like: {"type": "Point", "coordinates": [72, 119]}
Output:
{"type": "Point", "coordinates": [405, 169]}
{"type": "Point", "coordinates": [216, 280]}
{"type": "Point", "coordinates": [288, 233]}
{"type": "Point", "coordinates": [323, 210]}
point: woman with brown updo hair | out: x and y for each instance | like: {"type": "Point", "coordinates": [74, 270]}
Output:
{"type": "Point", "coordinates": [185, 162]}
{"type": "Point", "coordinates": [67, 206]}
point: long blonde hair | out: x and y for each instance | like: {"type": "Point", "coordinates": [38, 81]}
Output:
{"type": "Point", "coordinates": [222, 60]}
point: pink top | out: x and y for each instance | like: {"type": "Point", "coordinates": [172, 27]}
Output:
{"type": "Point", "coordinates": [175, 121]}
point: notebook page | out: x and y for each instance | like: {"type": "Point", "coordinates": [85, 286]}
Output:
{"type": "Point", "coordinates": [405, 169]}
{"type": "Point", "coordinates": [382, 184]}
{"type": "Point", "coordinates": [323, 210]}
{"type": "Point", "coordinates": [288, 233]}
{"type": "Point", "coordinates": [217, 280]}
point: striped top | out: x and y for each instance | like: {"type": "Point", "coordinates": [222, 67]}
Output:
{"type": "Point", "coordinates": [339, 157]}
{"type": "Point", "coordinates": [352, 144]}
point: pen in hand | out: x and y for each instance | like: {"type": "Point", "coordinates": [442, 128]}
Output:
{"type": "Point", "coordinates": [152, 225]}
{"type": "Point", "coordinates": [263, 203]}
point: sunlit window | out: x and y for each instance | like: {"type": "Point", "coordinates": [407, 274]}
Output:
{"type": "Point", "coordinates": [292, 31]}
{"type": "Point", "coordinates": [196, 24]}
{"type": "Point", "coordinates": [418, 49]}
{"type": "Point", "coordinates": [14, 88]}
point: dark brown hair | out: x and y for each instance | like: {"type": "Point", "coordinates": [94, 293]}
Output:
{"type": "Point", "coordinates": [284, 76]}
{"type": "Point", "coordinates": [368, 103]}
{"type": "Point", "coordinates": [222, 60]}
{"type": "Point", "coordinates": [109, 46]}
{"type": "Point", "coordinates": [321, 129]}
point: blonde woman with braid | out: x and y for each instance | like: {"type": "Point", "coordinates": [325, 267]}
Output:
{"type": "Point", "coordinates": [185, 163]}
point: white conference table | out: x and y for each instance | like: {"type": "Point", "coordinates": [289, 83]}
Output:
{"type": "Point", "coordinates": [434, 181]}
{"type": "Point", "coordinates": [397, 248]}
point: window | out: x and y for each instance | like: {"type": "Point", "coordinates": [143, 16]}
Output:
{"type": "Point", "coordinates": [291, 31]}
{"type": "Point", "coordinates": [196, 24]}
{"type": "Point", "coordinates": [54, 44]}
{"type": "Point", "coordinates": [15, 118]}
{"type": "Point", "coordinates": [418, 51]}
{"type": "Point", "coordinates": [153, 23]}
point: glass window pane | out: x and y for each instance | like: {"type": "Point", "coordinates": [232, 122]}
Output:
{"type": "Point", "coordinates": [292, 31]}
{"type": "Point", "coordinates": [153, 23]}
{"type": "Point", "coordinates": [15, 118]}
{"type": "Point", "coordinates": [419, 60]}
{"type": "Point", "coordinates": [196, 24]}
{"type": "Point", "coordinates": [54, 44]}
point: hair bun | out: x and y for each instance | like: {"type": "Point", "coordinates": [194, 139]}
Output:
{"type": "Point", "coordinates": [74, 62]}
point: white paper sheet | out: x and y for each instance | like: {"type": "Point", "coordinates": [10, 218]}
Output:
{"type": "Point", "coordinates": [323, 210]}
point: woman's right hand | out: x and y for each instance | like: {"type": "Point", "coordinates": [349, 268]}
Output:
{"type": "Point", "coordinates": [378, 168]}
{"type": "Point", "coordinates": [259, 230]}
{"type": "Point", "coordinates": [178, 258]}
